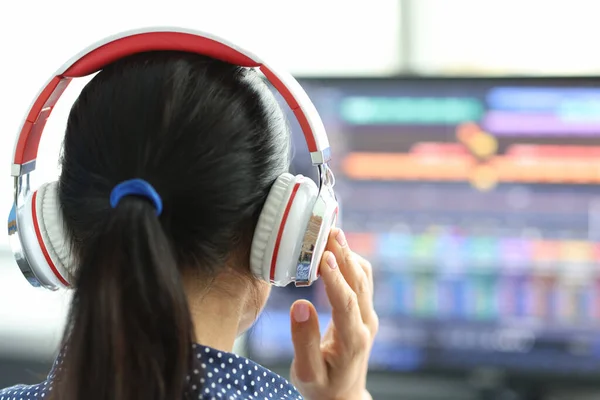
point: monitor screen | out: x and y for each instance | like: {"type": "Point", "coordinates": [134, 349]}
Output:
{"type": "Point", "coordinates": [478, 203]}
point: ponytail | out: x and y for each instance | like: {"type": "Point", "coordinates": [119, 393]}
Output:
{"type": "Point", "coordinates": [129, 334]}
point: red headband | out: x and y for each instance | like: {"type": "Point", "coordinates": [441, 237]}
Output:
{"type": "Point", "coordinates": [114, 48]}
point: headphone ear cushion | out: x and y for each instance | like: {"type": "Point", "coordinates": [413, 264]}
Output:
{"type": "Point", "coordinates": [281, 228]}
{"type": "Point", "coordinates": [268, 221]}
{"type": "Point", "coordinates": [52, 229]}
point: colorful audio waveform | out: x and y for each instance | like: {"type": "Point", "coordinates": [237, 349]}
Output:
{"type": "Point", "coordinates": [502, 297]}
{"type": "Point", "coordinates": [543, 100]}
{"type": "Point", "coordinates": [503, 123]}
{"type": "Point", "coordinates": [521, 111]}
{"type": "Point", "coordinates": [394, 166]}
{"type": "Point", "coordinates": [409, 110]}
{"type": "Point", "coordinates": [442, 162]}
{"type": "Point", "coordinates": [512, 111]}
{"type": "Point", "coordinates": [449, 251]}
{"type": "Point", "coordinates": [485, 277]}
{"type": "Point", "coordinates": [553, 151]}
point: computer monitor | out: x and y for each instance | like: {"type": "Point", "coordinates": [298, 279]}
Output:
{"type": "Point", "coordinates": [478, 203]}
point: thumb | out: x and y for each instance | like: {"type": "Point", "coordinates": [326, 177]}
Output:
{"type": "Point", "coordinates": [308, 365]}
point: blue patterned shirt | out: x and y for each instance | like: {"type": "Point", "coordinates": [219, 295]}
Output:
{"type": "Point", "coordinates": [216, 375]}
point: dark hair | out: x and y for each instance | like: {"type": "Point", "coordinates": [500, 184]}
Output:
{"type": "Point", "coordinates": [211, 139]}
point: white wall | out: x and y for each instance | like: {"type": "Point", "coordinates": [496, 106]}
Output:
{"type": "Point", "coordinates": [506, 36]}
{"type": "Point", "coordinates": [312, 37]}
{"type": "Point", "coordinates": [339, 37]}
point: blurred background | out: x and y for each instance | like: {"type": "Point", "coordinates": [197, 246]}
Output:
{"type": "Point", "coordinates": [466, 137]}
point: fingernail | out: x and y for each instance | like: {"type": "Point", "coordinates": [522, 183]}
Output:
{"type": "Point", "coordinates": [301, 312]}
{"type": "Point", "coordinates": [331, 261]}
{"type": "Point", "coordinates": [341, 238]}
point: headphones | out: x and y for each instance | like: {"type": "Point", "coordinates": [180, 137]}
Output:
{"type": "Point", "coordinates": [294, 224]}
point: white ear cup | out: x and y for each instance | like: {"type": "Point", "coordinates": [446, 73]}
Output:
{"type": "Point", "coordinates": [44, 238]}
{"type": "Point", "coordinates": [52, 227]}
{"type": "Point", "coordinates": [281, 228]}
{"type": "Point", "coordinates": [294, 230]}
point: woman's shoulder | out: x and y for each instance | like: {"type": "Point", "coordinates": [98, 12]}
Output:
{"type": "Point", "coordinates": [32, 392]}
{"type": "Point", "coordinates": [216, 375]}
{"type": "Point", "coordinates": [220, 374]}
{"type": "Point", "coordinates": [25, 392]}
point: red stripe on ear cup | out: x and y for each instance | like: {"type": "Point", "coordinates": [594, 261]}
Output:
{"type": "Point", "coordinates": [286, 213]}
{"type": "Point", "coordinates": [38, 233]}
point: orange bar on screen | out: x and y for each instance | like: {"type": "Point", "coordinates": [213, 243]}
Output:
{"type": "Point", "coordinates": [393, 166]}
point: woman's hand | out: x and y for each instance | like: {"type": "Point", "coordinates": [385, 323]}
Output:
{"type": "Point", "coordinates": [335, 366]}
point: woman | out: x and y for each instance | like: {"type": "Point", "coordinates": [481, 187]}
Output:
{"type": "Point", "coordinates": [159, 300]}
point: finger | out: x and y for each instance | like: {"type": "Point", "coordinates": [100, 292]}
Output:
{"type": "Point", "coordinates": [308, 364]}
{"type": "Point", "coordinates": [372, 320]}
{"type": "Point", "coordinates": [353, 273]}
{"type": "Point", "coordinates": [345, 311]}
{"type": "Point", "coordinates": [368, 269]}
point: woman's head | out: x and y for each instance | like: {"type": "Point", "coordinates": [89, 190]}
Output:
{"type": "Point", "coordinates": [211, 139]}
{"type": "Point", "coordinates": [207, 135]}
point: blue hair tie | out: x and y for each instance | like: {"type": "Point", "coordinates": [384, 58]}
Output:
{"type": "Point", "coordinates": [136, 187]}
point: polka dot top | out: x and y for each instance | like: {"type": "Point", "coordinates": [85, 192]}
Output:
{"type": "Point", "coordinates": [216, 375]}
